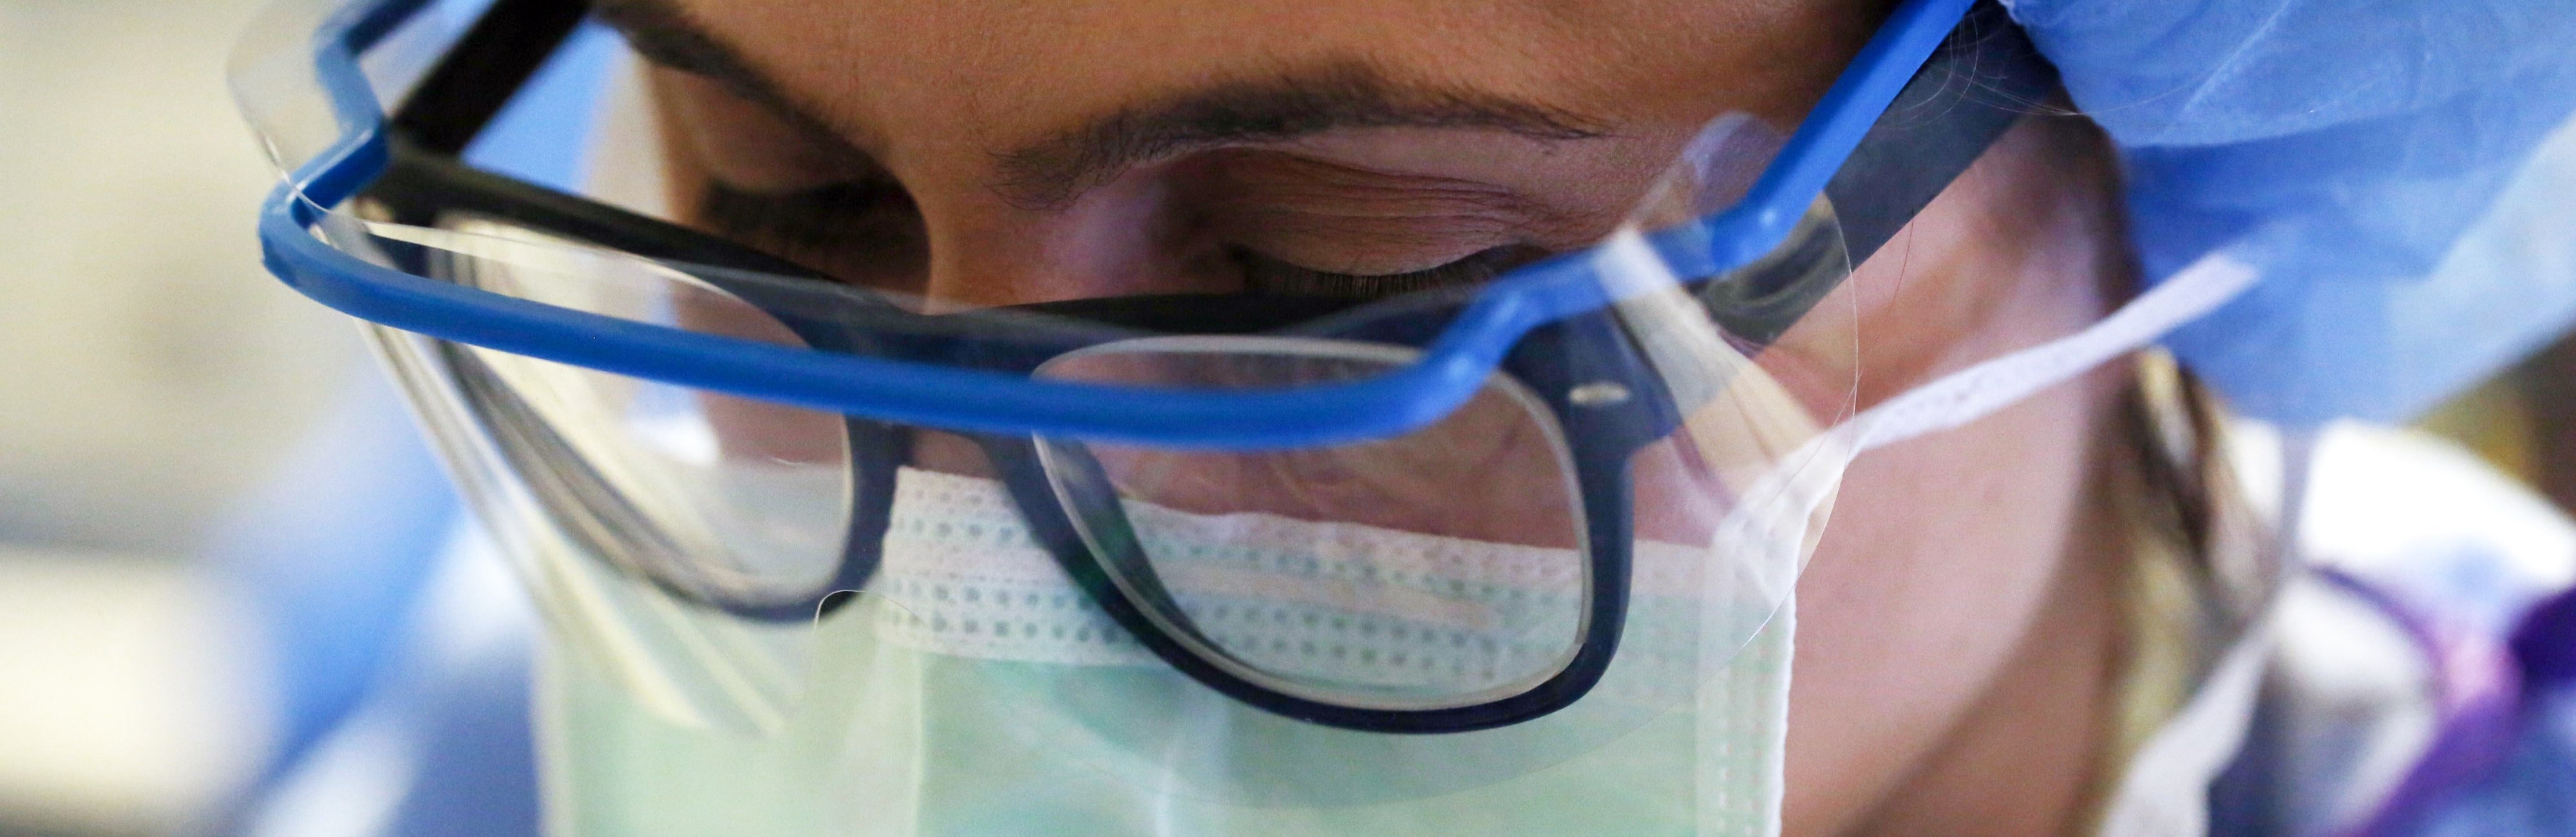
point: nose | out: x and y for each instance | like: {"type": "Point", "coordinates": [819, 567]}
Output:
{"type": "Point", "coordinates": [1120, 239]}
{"type": "Point", "coordinates": [986, 251]}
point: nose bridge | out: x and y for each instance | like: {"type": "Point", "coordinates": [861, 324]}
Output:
{"type": "Point", "coordinates": [1116, 240]}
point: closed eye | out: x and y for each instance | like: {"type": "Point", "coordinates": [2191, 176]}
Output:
{"type": "Point", "coordinates": [836, 225]}
{"type": "Point", "coordinates": [1266, 275]}
{"type": "Point", "coordinates": [823, 227]}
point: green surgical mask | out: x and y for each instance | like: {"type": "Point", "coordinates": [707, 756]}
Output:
{"type": "Point", "coordinates": [975, 692]}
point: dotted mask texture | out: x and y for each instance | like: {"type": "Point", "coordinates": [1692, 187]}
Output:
{"type": "Point", "coordinates": [1337, 602]}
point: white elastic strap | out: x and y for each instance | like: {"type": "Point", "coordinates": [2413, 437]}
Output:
{"type": "Point", "coordinates": [1811, 474]}
{"type": "Point", "coordinates": [1980, 390]}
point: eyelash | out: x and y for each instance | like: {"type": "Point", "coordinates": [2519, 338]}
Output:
{"type": "Point", "coordinates": [823, 222]}
{"type": "Point", "coordinates": [1266, 275]}
{"type": "Point", "coordinates": [826, 224]}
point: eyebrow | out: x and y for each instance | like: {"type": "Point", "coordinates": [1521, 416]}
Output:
{"type": "Point", "coordinates": [1298, 102]}
{"type": "Point", "coordinates": [663, 35]}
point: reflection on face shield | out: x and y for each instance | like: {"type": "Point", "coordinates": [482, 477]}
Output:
{"type": "Point", "coordinates": [1545, 454]}
{"type": "Point", "coordinates": [1311, 572]}
{"type": "Point", "coordinates": [912, 723]}
{"type": "Point", "coordinates": [632, 473]}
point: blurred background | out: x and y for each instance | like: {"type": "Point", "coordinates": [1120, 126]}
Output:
{"type": "Point", "coordinates": [177, 431]}
{"type": "Point", "coordinates": [214, 521]}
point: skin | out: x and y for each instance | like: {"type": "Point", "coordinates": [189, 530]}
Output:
{"type": "Point", "coordinates": [1956, 623]}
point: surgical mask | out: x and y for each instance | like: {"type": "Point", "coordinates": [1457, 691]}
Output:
{"type": "Point", "coordinates": [980, 693]}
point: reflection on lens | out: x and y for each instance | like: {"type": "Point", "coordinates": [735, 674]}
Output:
{"type": "Point", "coordinates": [1445, 567]}
{"type": "Point", "coordinates": [732, 501]}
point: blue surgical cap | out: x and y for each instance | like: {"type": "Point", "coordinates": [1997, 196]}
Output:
{"type": "Point", "coordinates": [2389, 165]}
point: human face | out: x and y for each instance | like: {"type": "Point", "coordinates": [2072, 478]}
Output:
{"type": "Point", "coordinates": [999, 153]}
{"type": "Point", "coordinates": [1019, 155]}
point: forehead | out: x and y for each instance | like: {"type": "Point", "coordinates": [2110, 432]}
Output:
{"type": "Point", "coordinates": [890, 74]}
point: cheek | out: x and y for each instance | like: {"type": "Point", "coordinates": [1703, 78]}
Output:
{"type": "Point", "coordinates": [1939, 555]}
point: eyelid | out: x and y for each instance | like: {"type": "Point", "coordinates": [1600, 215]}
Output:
{"type": "Point", "coordinates": [1269, 275]}
{"type": "Point", "coordinates": [839, 215]}
{"type": "Point", "coordinates": [1336, 218]}
{"type": "Point", "coordinates": [1281, 179]}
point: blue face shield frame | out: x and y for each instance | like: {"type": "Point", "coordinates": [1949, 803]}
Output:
{"type": "Point", "coordinates": [1452, 367]}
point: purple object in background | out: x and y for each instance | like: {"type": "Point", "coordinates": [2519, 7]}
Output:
{"type": "Point", "coordinates": [2545, 643]}
{"type": "Point", "coordinates": [2478, 682]}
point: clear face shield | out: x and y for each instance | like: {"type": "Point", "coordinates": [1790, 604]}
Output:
{"type": "Point", "coordinates": [1278, 559]}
